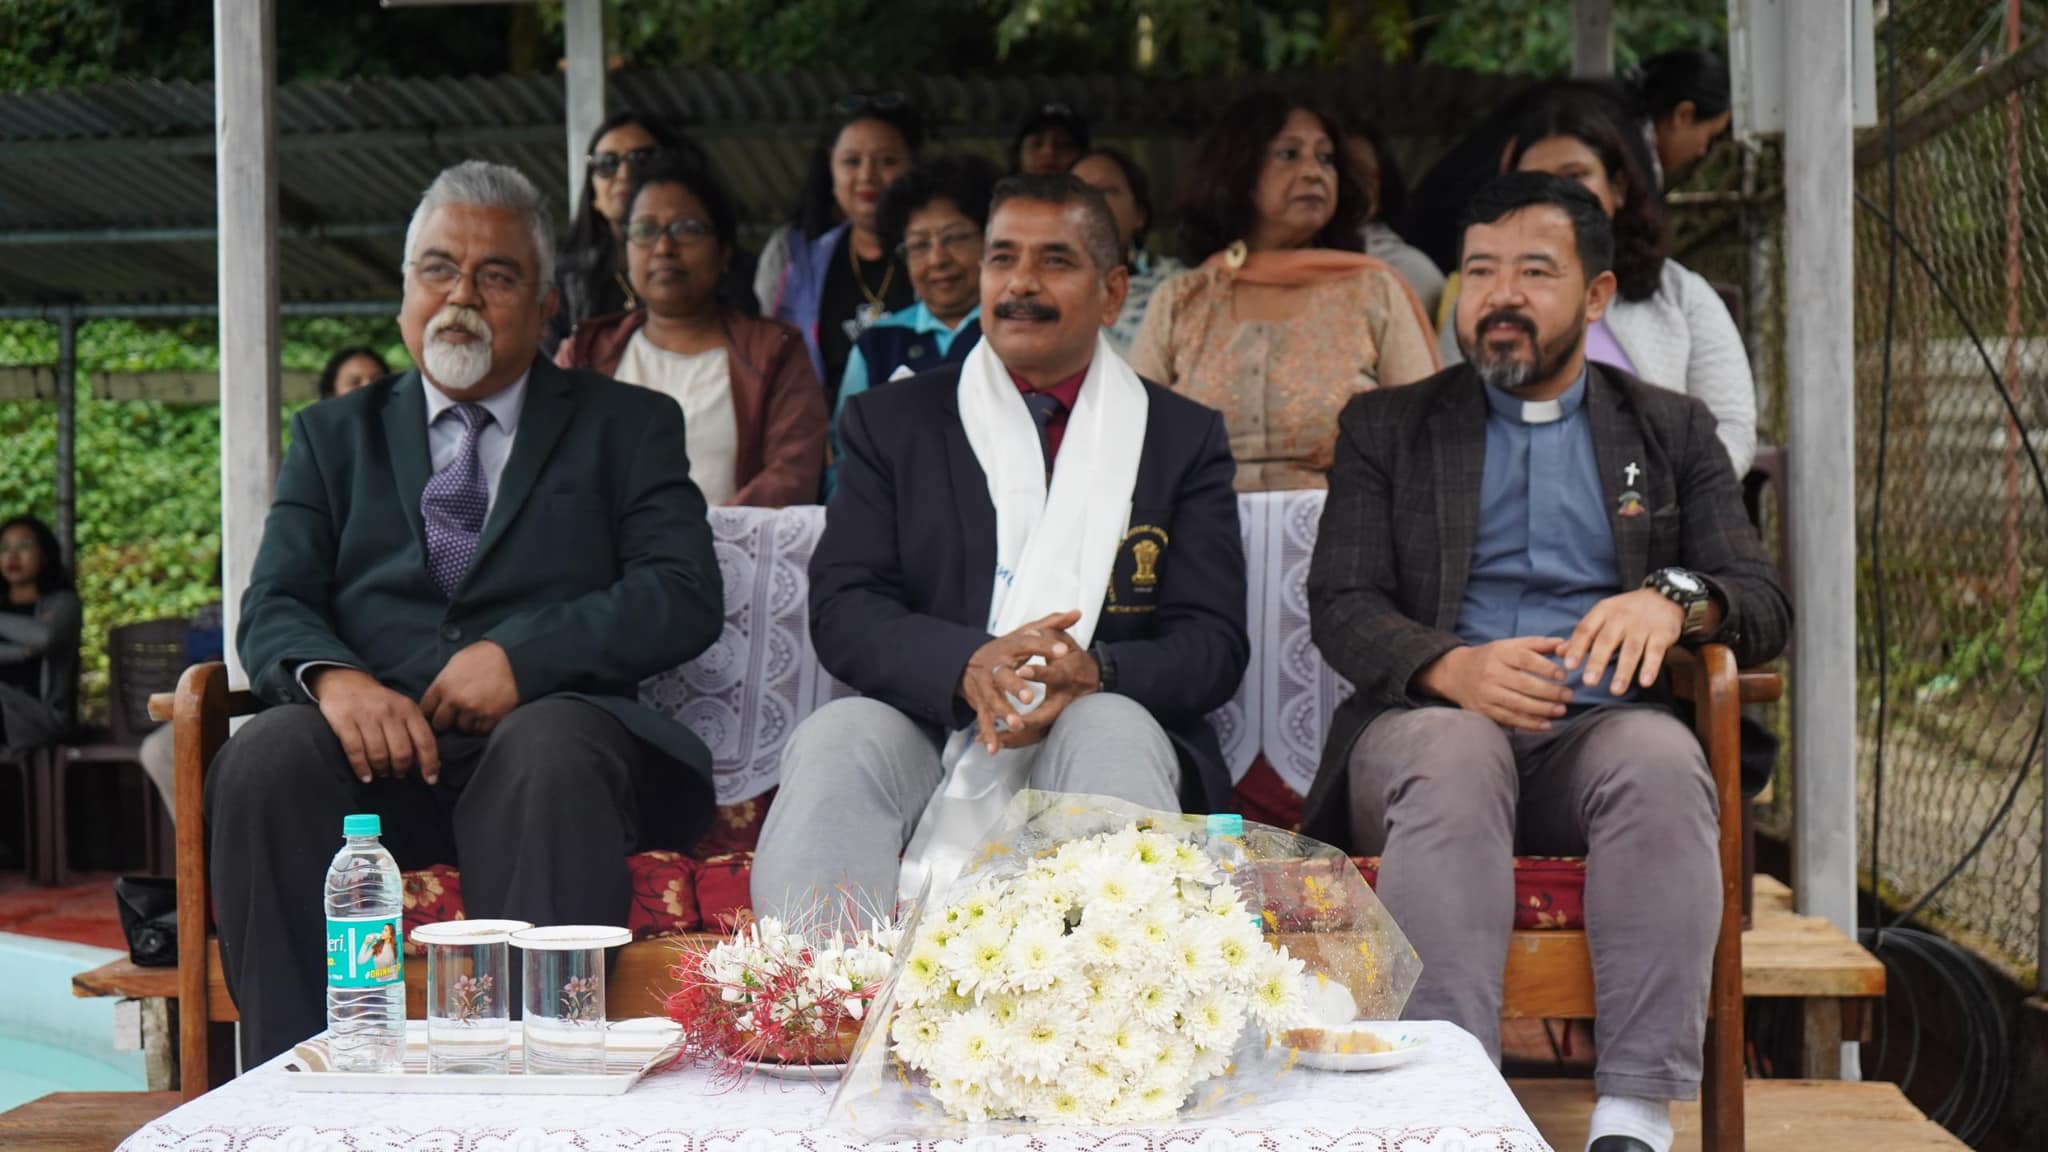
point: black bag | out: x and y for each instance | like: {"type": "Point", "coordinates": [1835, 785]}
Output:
{"type": "Point", "coordinates": [149, 918]}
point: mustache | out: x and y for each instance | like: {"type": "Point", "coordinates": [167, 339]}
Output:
{"type": "Point", "coordinates": [1506, 316]}
{"type": "Point", "coordinates": [1026, 310]}
{"type": "Point", "coordinates": [460, 316]}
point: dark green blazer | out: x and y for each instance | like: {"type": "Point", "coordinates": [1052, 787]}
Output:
{"type": "Point", "coordinates": [595, 569]}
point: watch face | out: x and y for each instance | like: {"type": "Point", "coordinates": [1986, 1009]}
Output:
{"type": "Point", "coordinates": [1685, 582]}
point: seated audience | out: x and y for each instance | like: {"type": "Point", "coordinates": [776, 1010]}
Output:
{"type": "Point", "coordinates": [1129, 193]}
{"type": "Point", "coordinates": [1667, 326]}
{"type": "Point", "coordinates": [752, 412]}
{"type": "Point", "coordinates": [1508, 554]}
{"type": "Point", "coordinates": [839, 278]}
{"type": "Point", "coordinates": [1373, 162]}
{"type": "Point", "coordinates": [1031, 571]}
{"type": "Point", "coordinates": [1680, 100]}
{"type": "Point", "coordinates": [466, 573]}
{"type": "Point", "coordinates": [1048, 141]}
{"type": "Point", "coordinates": [39, 625]}
{"type": "Point", "coordinates": [350, 369]}
{"type": "Point", "coordinates": [933, 219]}
{"type": "Point", "coordinates": [1285, 319]}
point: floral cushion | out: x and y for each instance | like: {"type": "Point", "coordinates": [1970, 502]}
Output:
{"type": "Point", "coordinates": [674, 893]}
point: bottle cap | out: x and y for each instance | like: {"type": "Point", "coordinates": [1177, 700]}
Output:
{"type": "Point", "coordinates": [1226, 824]}
{"type": "Point", "coordinates": [362, 824]}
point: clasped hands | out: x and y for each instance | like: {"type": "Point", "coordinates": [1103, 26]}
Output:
{"type": "Point", "coordinates": [1516, 684]}
{"type": "Point", "coordinates": [1002, 669]}
{"type": "Point", "coordinates": [386, 734]}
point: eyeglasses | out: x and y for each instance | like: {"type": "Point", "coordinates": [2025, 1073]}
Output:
{"type": "Point", "coordinates": [686, 232]}
{"type": "Point", "coordinates": [855, 103]}
{"type": "Point", "coordinates": [494, 283]}
{"type": "Point", "coordinates": [962, 242]}
{"type": "Point", "coordinates": [1058, 111]}
{"type": "Point", "coordinates": [607, 164]}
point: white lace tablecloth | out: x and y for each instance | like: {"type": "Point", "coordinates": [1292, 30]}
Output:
{"type": "Point", "coordinates": [1451, 1099]}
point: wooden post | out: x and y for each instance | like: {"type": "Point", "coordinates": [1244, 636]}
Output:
{"type": "Point", "coordinates": [1820, 327]}
{"type": "Point", "coordinates": [583, 95]}
{"type": "Point", "coordinates": [1593, 38]}
{"type": "Point", "coordinates": [245, 82]}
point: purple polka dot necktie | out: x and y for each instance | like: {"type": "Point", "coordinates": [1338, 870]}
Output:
{"type": "Point", "coordinates": [454, 502]}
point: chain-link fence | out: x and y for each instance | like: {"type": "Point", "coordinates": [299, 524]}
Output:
{"type": "Point", "coordinates": [1959, 638]}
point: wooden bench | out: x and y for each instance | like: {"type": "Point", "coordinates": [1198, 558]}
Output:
{"type": "Point", "coordinates": [1782, 1116]}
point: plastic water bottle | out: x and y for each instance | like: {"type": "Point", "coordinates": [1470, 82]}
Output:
{"type": "Point", "coordinates": [1226, 846]}
{"type": "Point", "coordinates": [365, 952]}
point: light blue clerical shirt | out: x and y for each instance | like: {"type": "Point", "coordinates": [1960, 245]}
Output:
{"type": "Point", "coordinates": [1544, 551]}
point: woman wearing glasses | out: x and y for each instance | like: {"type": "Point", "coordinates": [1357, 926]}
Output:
{"type": "Point", "coordinates": [39, 621]}
{"type": "Point", "coordinates": [591, 271]}
{"type": "Point", "coordinates": [840, 277]}
{"type": "Point", "coordinates": [753, 414]}
{"type": "Point", "coordinates": [933, 219]}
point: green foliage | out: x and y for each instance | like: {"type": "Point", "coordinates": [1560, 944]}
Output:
{"type": "Point", "coordinates": [1994, 653]}
{"type": "Point", "coordinates": [1515, 36]}
{"type": "Point", "coordinates": [148, 474]}
{"type": "Point", "coordinates": [54, 43]}
{"type": "Point", "coordinates": [789, 35]}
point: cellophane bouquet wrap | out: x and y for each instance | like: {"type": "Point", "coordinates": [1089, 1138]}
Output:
{"type": "Point", "coordinates": [1104, 964]}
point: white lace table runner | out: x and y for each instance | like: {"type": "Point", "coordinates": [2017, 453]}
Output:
{"type": "Point", "coordinates": [1451, 1099]}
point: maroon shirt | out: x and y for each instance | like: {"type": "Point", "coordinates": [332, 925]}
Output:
{"type": "Point", "coordinates": [1066, 392]}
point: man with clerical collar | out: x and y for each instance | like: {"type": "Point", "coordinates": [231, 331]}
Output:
{"type": "Point", "coordinates": [466, 572]}
{"type": "Point", "coordinates": [1030, 570]}
{"type": "Point", "coordinates": [1508, 551]}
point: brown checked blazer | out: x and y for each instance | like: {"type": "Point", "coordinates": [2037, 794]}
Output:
{"type": "Point", "coordinates": [1395, 544]}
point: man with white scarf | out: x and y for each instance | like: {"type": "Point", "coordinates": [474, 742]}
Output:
{"type": "Point", "coordinates": [1031, 571]}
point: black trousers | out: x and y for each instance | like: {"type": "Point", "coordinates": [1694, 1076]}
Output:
{"type": "Point", "coordinates": [540, 816]}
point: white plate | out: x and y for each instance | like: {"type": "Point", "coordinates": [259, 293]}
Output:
{"type": "Point", "coordinates": [1404, 1046]}
{"type": "Point", "coordinates": [795, 1071]}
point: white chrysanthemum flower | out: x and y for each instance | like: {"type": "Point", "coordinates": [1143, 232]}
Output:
{"type": "Point", "coordinates": [917, 1038]}
{"type": "Point", "coordinates": [978, 958]}
{"type": "Point", "coordinates": [1212, 1019]}
{"type": "Point", "coordinates": [1156, 1003]}
{"type": "Point", "coordinates": [969, 1045]}
{"type": "Point", "coordinates": [1038, 1045]}
{"type": "Point", "coordinates": [1101, 943]}
{"type": "Point", "coordinates": [1279, 998]}
{"type": "Point", "coordinates": [962, 1096]}
{"type": "Point", "coordinates": [1037, 954]}
{"type": "Point", "coordinates": [924, 976]}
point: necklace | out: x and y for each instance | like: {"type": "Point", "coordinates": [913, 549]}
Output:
{"type": "Point", "coordinates": [632, 300]}
{"type": "Point", "coordinates": [876, 300]}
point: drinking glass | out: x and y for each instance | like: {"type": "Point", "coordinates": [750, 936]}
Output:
{"type": "Point", "coordinates": [469, 1019]}
{"type": "Point", "coordinates": [563, 975]}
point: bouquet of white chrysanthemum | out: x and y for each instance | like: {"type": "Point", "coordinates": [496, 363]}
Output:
{"type": "Point", "coordinates": [1103, 983]}
{"type": "Point", "coordinates": [1102, 963]}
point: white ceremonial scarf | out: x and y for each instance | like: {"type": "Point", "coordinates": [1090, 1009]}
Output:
{"type": "Point", "coordinates": [1055, 552]}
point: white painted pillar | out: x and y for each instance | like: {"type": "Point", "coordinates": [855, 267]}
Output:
{"type": "Point", "coordinates": [1820, 329]}
{"type": "Point", "coordinates": [245, 82]}
{"type": "Point", "coordinates": [583, 37]}
{"type": "Point", "coordinates": [1593, 38]}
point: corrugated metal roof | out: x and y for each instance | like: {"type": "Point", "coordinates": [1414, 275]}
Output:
{"type": "Point", "coordinates": [107, 193]}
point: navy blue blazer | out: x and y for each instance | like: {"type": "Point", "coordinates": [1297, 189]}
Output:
{"type": "Point", "coordinates": [902, 576]}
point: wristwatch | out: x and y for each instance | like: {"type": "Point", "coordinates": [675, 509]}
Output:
{"type": "Point", "coordinates": [1105, 667]}
{"type": "Point", "coordinates": [1688, 590]}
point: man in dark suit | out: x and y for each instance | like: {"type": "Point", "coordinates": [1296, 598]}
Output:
{"type": "Point", "coordinates": [465, 574]}
{"type": "Point", "coordinates": [1509, 550]}
{"type": "Point", "coordinates": [903, 579]}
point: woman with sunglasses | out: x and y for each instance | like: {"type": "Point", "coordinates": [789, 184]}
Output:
{"type": "Point", "coordinates": [753, 415]}
{"type": "Point", "coordinates": [591, 271]}
{"type": "Point", "coordinates": [840, 277]}
{"type": "Point", "coordinates": [39, 624]}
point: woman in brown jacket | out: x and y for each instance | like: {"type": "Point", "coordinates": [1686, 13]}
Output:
{"type": "Point", "coordinates": [752, 409]}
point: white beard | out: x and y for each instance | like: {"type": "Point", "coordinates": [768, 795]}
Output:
{"type": "Point", "coordinates": [457, 367]}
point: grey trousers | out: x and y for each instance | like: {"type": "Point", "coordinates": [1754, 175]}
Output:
{"type": "Point", "coordinates": [1446, 797]}
{"type": "Point", "coordinates": [856, 775]}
